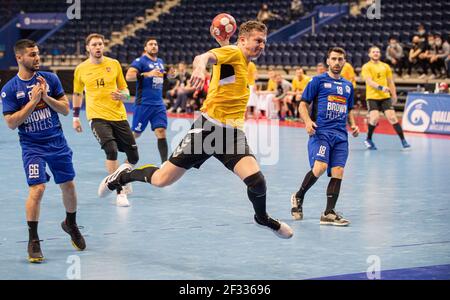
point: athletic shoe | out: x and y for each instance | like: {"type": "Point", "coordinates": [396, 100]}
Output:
{"type": "Point", "coordinates": [75, 234]}
{"type": "Point", "coordinates": [370, 144]}
{"type": "Point", "coordinates": [296, 208]}
{"type": "Point", "coordinates": [110, 182]}
{"type": "Point", "coordinates": [281, 229]}
{"type": "Point", "coordinates": [34, 252]}
{"type": "Point", "coordinates": [334, 219]}
{"type": "Point", "coordinates": [122, 200]}
{"type": "Point", "coordinates": [127, 188]}
{"type": "Point", "coordinates": [405, 144]}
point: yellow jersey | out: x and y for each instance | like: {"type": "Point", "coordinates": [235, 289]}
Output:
{"type": "Point", "coordinates": [300, 85]}
{"type": "Point", "coordinates": [380, 73]}
{"type": "Point", "coordinates": [251, 73]}
{"type": "Point", "coordinates": [98, 81]}
{"type": "Point", "coordinates": [349, 73]}
{"type": "Point", "coordinates": [271, 85]}
{"type": "Point", "coordinates": [228, 91]}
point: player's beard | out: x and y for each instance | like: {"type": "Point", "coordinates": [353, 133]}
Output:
{"type": "Point", "coordinates": [32, 67]}
{"type": "Point", "coordinates": [152, 52]}
{"type": "Point", "coordinates": [336, 70]}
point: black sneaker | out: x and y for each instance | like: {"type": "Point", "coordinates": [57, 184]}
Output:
{"type": "Point", "coordinates": [296, 208]}
{"type": "Point", "coordinates": [280, 229]}
{"type": "Point", "coordinates": [75, 234]}
{"type": "Point", "coordinates": [34, 252]}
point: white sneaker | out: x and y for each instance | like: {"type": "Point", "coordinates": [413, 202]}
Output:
{"type": "Point", "coordinates": [281, 229]}
{"type": "Point", "coordinates": [432, 77]}
{"type": "Point", "coordinates": [127, 189]}
{"type": "Point", "coordinates": [122, 200]}
{"type": "Point", "coordinates": [423, 76]}
{"type": "Point", "coordinates": [104, 188]}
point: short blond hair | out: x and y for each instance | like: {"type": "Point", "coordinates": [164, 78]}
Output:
{"type": "Point", "coordinates": [249, 26]}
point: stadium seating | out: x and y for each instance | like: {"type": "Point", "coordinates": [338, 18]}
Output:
{"type": "Point", "coordinates": [357, 34]}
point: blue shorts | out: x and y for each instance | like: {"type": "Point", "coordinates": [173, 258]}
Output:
{"type": "Point", "coordinates": [330, 149]}
{"type": "Point", "coordinates": [143, 114]}
{"type": "Point", "coordinates": [56, 154]}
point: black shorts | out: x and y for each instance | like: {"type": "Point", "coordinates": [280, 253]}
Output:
{"type": "Point", "coordinates": [119, 131]}
{"type": "Point", "coordinates": [380, 105]}
{"type": "Point", "coordinates": [206, 139]}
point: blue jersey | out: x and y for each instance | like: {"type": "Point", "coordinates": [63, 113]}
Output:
{"type": "Point", "coordinates": [43, 123]}
{"type": "Point", "coordinates": [149, 89]}
{"type": "Point", "coordinates": [332, 100]}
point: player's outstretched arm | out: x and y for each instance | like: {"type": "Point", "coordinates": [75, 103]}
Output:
{"type": "Point", "coordinates": [199, 69]}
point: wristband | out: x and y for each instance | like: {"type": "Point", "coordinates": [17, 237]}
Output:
{"type": "Point", "coordinates": [75, 119]}
{"type": "Point", "coordinates": [76, 112]}
{"type": "Point", "coordinates": [380, 87]}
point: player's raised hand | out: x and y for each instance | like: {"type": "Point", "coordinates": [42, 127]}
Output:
{"type": "Point", "coordinates": [355, 130]}
{"type": "Point", "coordinates": [36, 93]}
{"type": "Point", "coordinates": [197, 79]}
{"type": "Point", "coordinates": [311, 127]}
{"type": "Point", "coordinates": [43, 85]}
{"type": "Point", "coordinates": [76, 124]}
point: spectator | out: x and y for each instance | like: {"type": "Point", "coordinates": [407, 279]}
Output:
{"type": "Point", "coordinates": [292, 101]}
{"type": "Point", "coordinates": [296, 11]}
{"type": "Point", "coordinates": [198, 97]}
{"type": "Point", "coordinates": [395, 55]}
{"type": "Point", "coordinates": [265, 97]}
{"type": "Point", "coordinates": [183, 89]}
{"type": "Point", "coordinates": [265, 15]}
{"type": "Point", "coordinates": [283, 87]}
{"type": "Point", "coordinates": [417, 58]}
{"type": "Point", "coordinates": [421, 33]}
{"type": "Point", "coordinates": [321, 68]}
{"type": "Point", "coordinates": [169, 86]}
{"type": "Point", "coordinates": [438, 52]}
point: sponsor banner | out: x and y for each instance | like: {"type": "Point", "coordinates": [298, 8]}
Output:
{"type": "Point", "coordinates": [41, 20]}
{"type": "Point", "coordinates": [428, 113]}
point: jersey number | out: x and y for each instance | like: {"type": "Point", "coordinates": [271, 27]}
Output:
{"type": "Point", "coordinates": [100, 83]}
{"type": "Point", "coordinates": [33, 171]}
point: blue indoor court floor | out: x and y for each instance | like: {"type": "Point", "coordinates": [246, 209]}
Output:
{"type": "Point", "coordinates": [201, 227]}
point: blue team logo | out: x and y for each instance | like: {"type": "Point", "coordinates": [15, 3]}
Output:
{"type": "Point", "coordinates": [416, 118]}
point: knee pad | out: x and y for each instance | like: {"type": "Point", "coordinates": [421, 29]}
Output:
{"type": "Point", "coordinates": [132, 155]}
{"type": "Point", "coordinates": [256, 183]}
{"type": "Point", "coordinates": [111, 150]}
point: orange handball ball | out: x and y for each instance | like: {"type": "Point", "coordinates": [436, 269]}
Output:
{"type": "Point", "coordinates": [224, 26]}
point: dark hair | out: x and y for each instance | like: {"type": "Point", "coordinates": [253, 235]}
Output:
{"type": "Point", "coordinates": [23, 44]}
{"type": "Point", "coordinates": [94, 35]}
{"type": "Point", "coordinates": [249, 26]}
{"type": "Point", "coordinates": [152, 38]}
{"type": "Point", "coordinates": [337, 50]}
{"type": "Point", "coordinates": [392, 38]}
